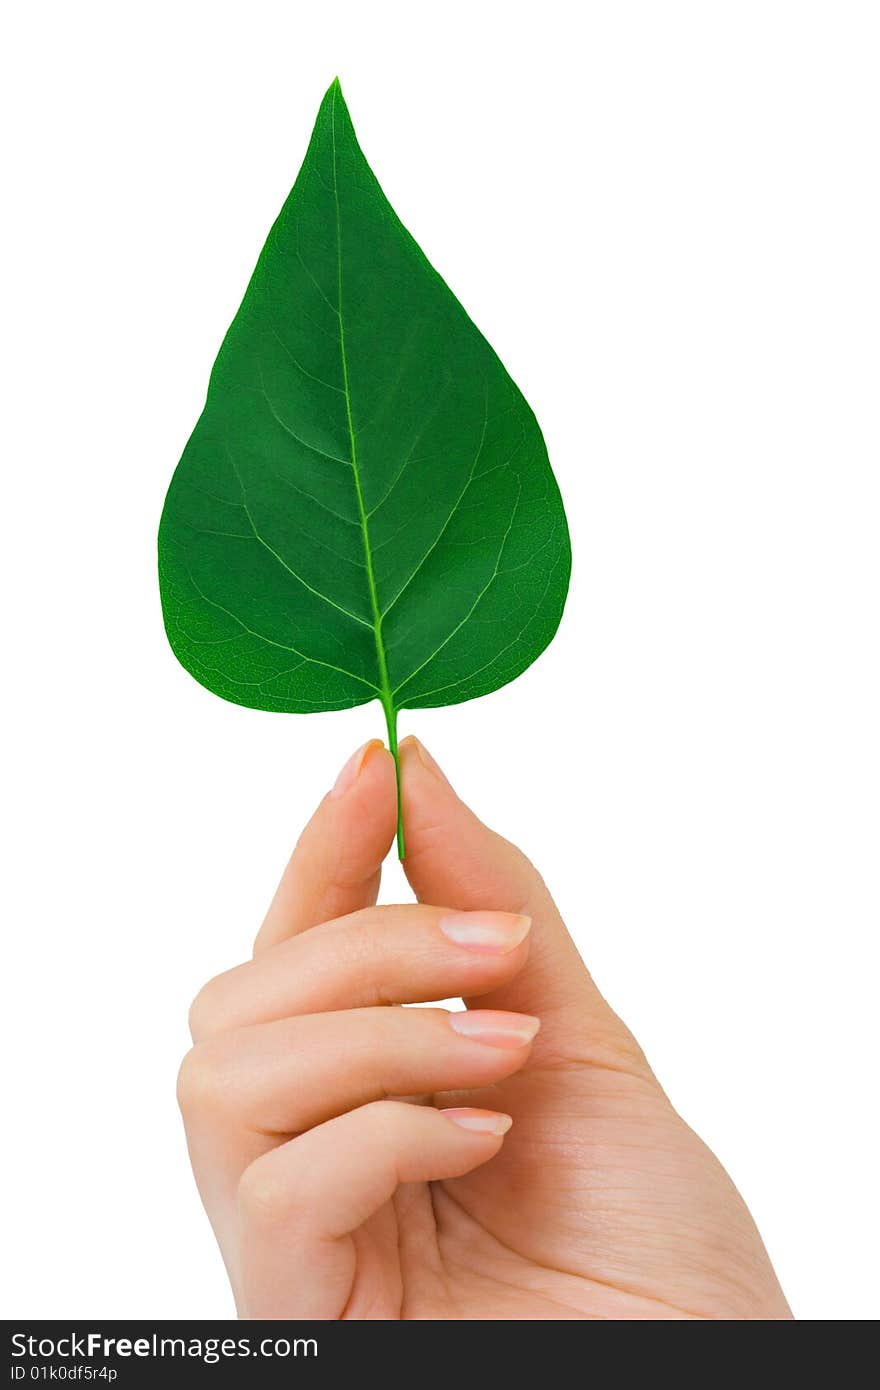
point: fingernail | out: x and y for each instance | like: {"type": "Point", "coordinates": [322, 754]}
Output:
{"type": "Point", "coordinates": [479, 1121]}
{"type": "Point", "coordinates": [427, 761]}
{"type": "Point", "coordinates": [494, 1028]}
{"type": "Point", "coordinates": [349, 774]}
{"type": "Point", "coordinates": [494, 932]}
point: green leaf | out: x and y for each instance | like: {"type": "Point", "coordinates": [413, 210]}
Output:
{"type": "Point", "coordinates": [365, 509]}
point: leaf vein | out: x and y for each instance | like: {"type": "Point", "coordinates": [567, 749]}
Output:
{"type": "Point", "coordinates": [314, 280]}
{"type": "Point", "coordinates": [455, 506]}
{"type": "Point", "coordinates": [280, 558]}
{"type": "Point", "coordinates": [409, 457]}
{"type": "Point", "coordinates": [293, 434]}
{"type": "Point", "coordinates": [287, 482]}
{"type": "Point", "coordinates": [270, 641]}
{"type": "Point", "coordinates": [299, 366]}
{"type": "Point", "coordinates": [439, 689]}
{"type": "Point", "coordinates": [493, 576]}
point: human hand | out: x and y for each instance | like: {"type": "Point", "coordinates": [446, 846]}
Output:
{"type": "Point", "coordinates": [331, 1199]}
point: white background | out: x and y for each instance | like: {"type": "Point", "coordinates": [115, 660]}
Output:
{"type": "Point", "coordinates": [666, 220]}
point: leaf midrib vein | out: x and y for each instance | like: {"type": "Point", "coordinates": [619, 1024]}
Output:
{"type": "Point", "coordinates": [385, 683]}
{"type": "Point", "coordinates": [387, 694]}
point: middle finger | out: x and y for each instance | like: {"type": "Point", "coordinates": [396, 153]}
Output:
{"type": "Point", "coordinates": [380, 955]}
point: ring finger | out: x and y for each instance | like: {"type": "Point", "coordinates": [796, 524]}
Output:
{"type": "Point", "coordinates": [245, 1091]}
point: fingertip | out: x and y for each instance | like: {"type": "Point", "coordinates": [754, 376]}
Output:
{"type": "Point", "coordinates": [367, 775]}
{"type": "Point", "coordinates": [353, 767]}
{"type": "Point", "coordinates": [356, 820]}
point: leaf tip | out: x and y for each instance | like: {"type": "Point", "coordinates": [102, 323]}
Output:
{"type": "Point", "coordinates": [333, 101]}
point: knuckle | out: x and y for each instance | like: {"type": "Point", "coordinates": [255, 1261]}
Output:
{"type": "Point", "coordinates": [392, 1027]}
{"type": "Point", "coordinates": [264, 1199]}
{"type": "Point", "coordinates": [353, 940]}
{"type": "Point", "coordinates": [200, 1080]}
{"type": "Point", "coordinates": [388, 1117]}
{"type": "Point", "coordinates": [205, 1011]}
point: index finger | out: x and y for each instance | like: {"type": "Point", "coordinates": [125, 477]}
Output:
{"type": "Point", "coordinates": [336, 866]}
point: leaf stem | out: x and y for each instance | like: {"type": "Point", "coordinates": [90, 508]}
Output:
{"type": "Point", "coordinates": [391, 725]}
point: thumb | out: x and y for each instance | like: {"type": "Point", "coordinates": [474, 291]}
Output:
{"type": "Point", "coordinates": [454, 860]}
